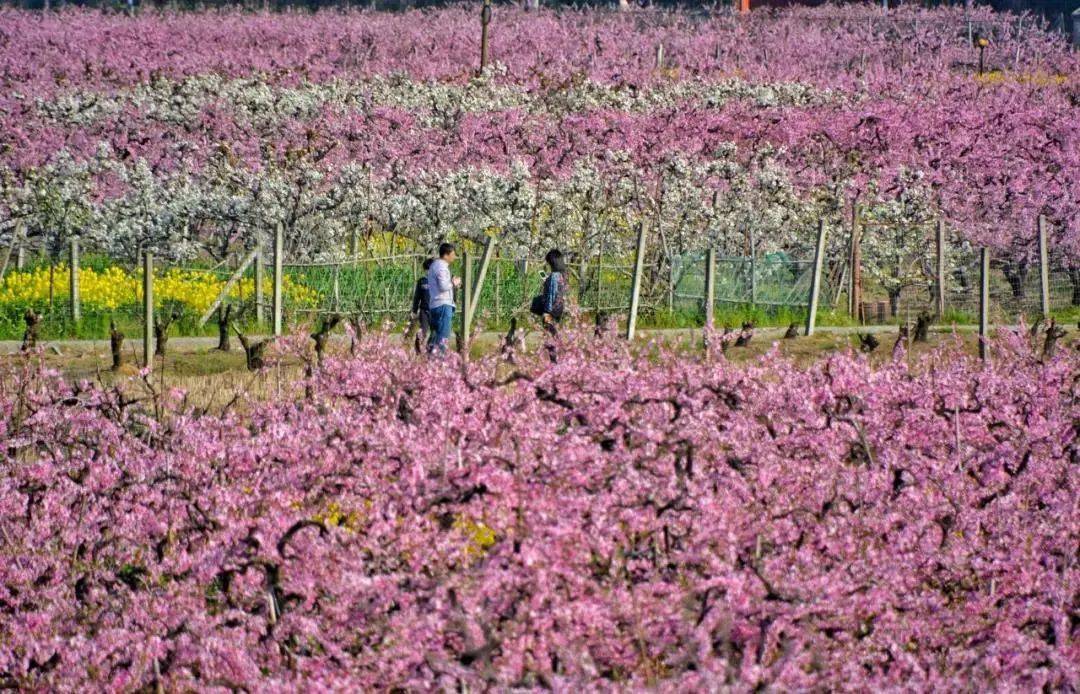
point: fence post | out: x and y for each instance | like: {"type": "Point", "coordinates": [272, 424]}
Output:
{"type": "Point", "coordinates": [1044, 269]}
{"type": "Point", "coordinates": [660, 55]}
{"type": "Point", "coordinates": [521, 269]}
{"type": "Point", "coordinates": [815, 278]}
{"type": "Point", "coordinates": [73, 277]}
{"type": "Point", "coordinates": [710, 286]}
{"type": "Point", "coordinates": [466, 301]}
{"type": "Point", "coordinates": [855, 261]}
{"type": "Point", "coordinates": [20, 250]}
{"type": "Point", "coordinates": [485, 19]}
{"type": "Point", "coordinates": [474, 296]}
{"type": "Point", "coordinates": [984, 299]}
{"type": "Point", "coordinates": [671, 286]}
{"type": "Point", "coordinates": [753, 270]}
{"type": "Point", "coordinates": [15, 243]}
{"type": "Point", "coordinates": [337, 288]}
{"type": "Point", "coordinates": [599, 278]}
{"type": "Point", "coordinates": [260, 299]}
{"type": "Point", "coordinates": [940, 269]}
{"type": "Point", "coordinates": [498, 290]}
{"type": "Point", "coordinates": [148, 309]}
{"type": "Point", "coordinates": [279, 253]}
{"type": "Point", "coordinates": [635, 285]}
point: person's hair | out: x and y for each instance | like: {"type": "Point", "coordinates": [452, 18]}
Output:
{"type": "Point", "coordinates": [554, 258]}
{"type": "Point", "coordinates": [428, 262]}
{"type": "Point", "coordinates": [446, 249]}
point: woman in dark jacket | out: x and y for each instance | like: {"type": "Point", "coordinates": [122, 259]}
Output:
{"type": "Point", "coordinates": [554, 294]}
{"type": "Point", "coordinates": [420, 301]}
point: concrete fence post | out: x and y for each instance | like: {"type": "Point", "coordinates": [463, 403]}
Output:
{"type": "Point", "coordinates": [1044, 269]}
{"type": "Point", "coordinates": [635, 286]}
{"type": "Point", "coordinates": [260, 299]}
{"type": "Point", "coordinates": [940, 247]}
{"type": "Point", "coordinates": [279, 253]}
{"type": "Point", "coordinates": [73, 281]}
{"type": "Point", "coordinates": [148, 309]}
{"type": "Point", "coordinates": [466, 301]}
{"type": "Point", "coordinates": [815, 279]}
{"type": "Point", "coordinates": [710, 286]}
{"type": "Point", "coordinates": [984, 301]}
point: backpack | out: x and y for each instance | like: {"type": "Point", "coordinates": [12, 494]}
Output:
{"type": "Point", "coordinates": [537, 306]}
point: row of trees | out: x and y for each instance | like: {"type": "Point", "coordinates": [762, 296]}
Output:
{"type": "Point", "coordinates": [575, 153]}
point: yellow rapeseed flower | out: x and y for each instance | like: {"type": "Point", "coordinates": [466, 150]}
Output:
{"type": "Point", "coordinates": [114, 287]}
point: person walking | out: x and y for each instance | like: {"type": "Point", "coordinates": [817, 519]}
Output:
{"type": "Point", "coordinates": [421, 302]}
{"type": "Point", "coordinates": [441, 287]}
{"type": "Point", "coordinates": [554, 294]}
{"type": "Point", "coordinates": [550, 304]}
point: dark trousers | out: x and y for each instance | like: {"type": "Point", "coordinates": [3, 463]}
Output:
{"type": "Point", "coordinates": [442, 318]}
{"type": "Point", "coordinates": [424, 331]}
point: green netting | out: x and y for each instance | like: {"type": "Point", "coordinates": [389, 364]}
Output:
{"type": "Point", "coordinates": [373, 288]}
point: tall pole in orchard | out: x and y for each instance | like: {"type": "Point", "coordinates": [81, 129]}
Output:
{"type": "Point", "coordinates": [485, 19]}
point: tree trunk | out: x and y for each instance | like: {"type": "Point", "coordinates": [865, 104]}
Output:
{"type": "Point", "coordinates": [322, 334]}
{"type": "Point", "coordinates": [30, 337]}
{"type": "Point", "coordinates": [116, 344]}
{"type": "Point", "coordinates": [224, 316]}
{"type": "Point", "coordinates": [161, 337]}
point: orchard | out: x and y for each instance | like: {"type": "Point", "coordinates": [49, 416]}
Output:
{"type": "Point", "coordinates": [596, 514]}
{"type": "Point", "coordinates": [193, 133]}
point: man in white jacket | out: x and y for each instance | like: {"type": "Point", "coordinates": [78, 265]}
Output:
{"type": "Point", "coordinates": [441, 298]}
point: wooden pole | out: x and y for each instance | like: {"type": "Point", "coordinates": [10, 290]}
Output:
{"type": "Point", "coordinates": [279, 253]}
{"type": "Point", "coordinates": [1044, 269]}
{"type": "Point", "coordinates": [224, 293]}
{"type": "Point", "coordinates": [984, 300]}
{"type": "Point", "coordinates": [671, 285]}
{"type": "Point", "coordinates": [635, 286]}
{"type": "Point", "coordinates": [148, 309]}
{"type": "Point", "coordinates": [940, 269]}
{"type": "Point", "coordinates": [485, 19]}
{"type": "Point", "coordinates": [466, 301]}
{"type": "Point", "coordinates": [710, 286]}
{"type": "Point", "coordinates": [815, 279]}
{"type": "Point", "coordinates": [73, 281]}
{"type": "Point", "coordinates": [753, 269]}
{"type": "Point", "coordinates": [498, 290]}
{"type": "Point", "coordinates": [660, 55]}
{"type": "Point", "coordinates": [599, 278]}
{"type": "Point", "coordinates": [20, 251]}
{"type": "Point", "coordinates": [485, 262]}
{"type": "Point", "coordinates": [337, 288]}
{"type": "Point", "coordinates": [16, 247]}
{"type": "Point", "coordinates": [855, 261]}
{"type": "Point", "coordinates": [260, 299]}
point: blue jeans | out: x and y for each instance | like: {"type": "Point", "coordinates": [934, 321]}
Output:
{"type": "Point", "coordinates": [442, 317]}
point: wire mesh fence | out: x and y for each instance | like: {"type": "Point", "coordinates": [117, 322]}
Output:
{"type": "Point", "coordinates": [770, 286]}
{"type": "Point", "coordinates": [1015, 291]}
